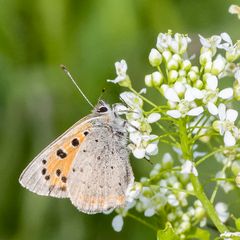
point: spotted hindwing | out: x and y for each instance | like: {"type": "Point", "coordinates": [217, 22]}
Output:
{"type": "Point", "coordinates": [101, 172]}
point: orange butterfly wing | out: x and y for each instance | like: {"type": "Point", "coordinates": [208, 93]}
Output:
{"type": "Point", "coordinates": [48, 173]}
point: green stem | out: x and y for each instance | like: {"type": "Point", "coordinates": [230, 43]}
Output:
{"type": "Point", "coordinates": [207, 156]}
{"type": "Point", "coordinates": [186, 147]}
{"type": "Point", "coordinates": [207, 204]}
{"type": "Point", "coordinates": [217, 186]}
{"type": "Point", "coordinates": [142, 221]}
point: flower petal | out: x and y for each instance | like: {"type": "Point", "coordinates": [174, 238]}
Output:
{"type": "Point", "coordinates": [135, 137]}
{"type": "Point", "coordinates": [226, 93]}
{"type": "Point", "coordinates": [189, 95]}
{"type": "Point", "coordinates": [117, 223]}
{"type": "Point", "coordinates": [174, 113]}
{"type": "Point", "coordinates": [149, 212]}
{"type": "Point", "coordinates": [231, 115]}
{"type": "Point", "coordinates": [120, 109]}
{"type": "Point", "coordinates": [222, 111]}
{"type": "Point", "coordinates": [139, 153]}
{"type": "Point", "coordinates": [153, 117]}
{"type": "Point", "coordinates": [226, 38]}
{"type": "Point", "coordinates": [171, 95]}
{"type": "Point", "coordinates": [212, 108]}
{"type": "Point", "coordinates": [195, 111]}
{"type": "Point", "coordinates": [131, 99]}
{"type": "Point", "coordinates": [197, 93]}
{"type": "Point", "coordinates": [229, 139]}
{"type": "Point", "coordinates": [204, 41]}
{"type": "Point", "coordinates": [212, 82]}
{"type": "Point", "coordinates": [152, 149]}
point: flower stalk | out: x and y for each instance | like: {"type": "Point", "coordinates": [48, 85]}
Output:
{"type": "Point", "coordinates": [198, 189]}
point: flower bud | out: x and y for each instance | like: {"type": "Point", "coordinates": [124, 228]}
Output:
{"type": "Point", "coordinates": [186, 65]}
{"type": "Point", "coordinates": [157, 79]}
{"type": "Point", "coordinates": [218, 65]}
{"type": "Point", "coordinates": [205, 57]}
{"type": "Point", "coordinates": [198, 84]}
{"type": "Point", "coordinates": [164, 88]}
{"type": "Point", "coordinates": [167, 161]}
{"type": "Point", "coordinates": [195, 69]}
{"type": "Point", "coordinates": [235, 167]}
{"type": "Point", "coordinates": [155, 57]}
{"type": "Point", "coordinates": [154, 80]}
{"type": "Point", "coordinates": [148, 80]}
{"type": "Point", "coordinates": [192, 76]}
{"type": "Point", "coordinates": [182, 73]}
{"type": "Point", "coordinates": [172, 64]}
{"type": "Point", "coordinates": [199, 213]}
{"type": "Point", "coordinates": [167, 55]}
{"type": "Point", "coordinates": [208, 66]}
{"type": "Point", "coordinates": [177, 57]}
{"type": "Point", "coordinates": [172, 76]}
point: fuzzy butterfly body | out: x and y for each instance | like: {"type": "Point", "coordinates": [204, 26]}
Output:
{"type": "Point", "coordinates": [89, 164]}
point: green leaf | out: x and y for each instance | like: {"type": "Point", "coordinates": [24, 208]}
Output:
{"type": "Point", "coordinates": [198, 233]}
{"type": "Point", "coordinates": [167, 233]}
{"type": "Point", "coordinates": [237, 223]}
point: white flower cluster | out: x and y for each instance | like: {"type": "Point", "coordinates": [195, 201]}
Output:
{"type": "Point", "coordinates": [143, 143]}
{"type": "Point", "coordinates": [169, 194]}
{"type": "Point", "coordinates": [190, 89]}
{"type": "Point", "coordinates": [197, 101]}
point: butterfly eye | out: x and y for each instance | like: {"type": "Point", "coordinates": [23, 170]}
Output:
{"type": "Point", "coordinates": [102, 109]}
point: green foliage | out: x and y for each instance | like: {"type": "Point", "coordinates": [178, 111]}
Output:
{"type": "Point", "coordinates": [37, 102]}
{"type": "Point", "coordinates": [167, 233]}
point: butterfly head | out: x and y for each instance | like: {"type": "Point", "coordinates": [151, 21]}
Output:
{"type": "Point", "coordinates": [102, 108]}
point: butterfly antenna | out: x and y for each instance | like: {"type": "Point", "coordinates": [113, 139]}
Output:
{"type": "Point", "coordinates": [74, 82]}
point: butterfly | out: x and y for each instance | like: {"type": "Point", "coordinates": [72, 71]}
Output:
{"type": "Point", "coordinates": [89, 164]}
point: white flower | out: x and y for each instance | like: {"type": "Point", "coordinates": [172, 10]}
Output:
{"type": "Point", "coordinates": [211, 43]}
{"type": "Point", "coordinates": [225, 126]}
{"type": "Point", "coordinates": [185, 106]}
{"type": "Point", "coordinates": [188, 167]}
{"type": "Point", "coordinates": [132, 100]}
{"type": "Point", "coordinates": [211, 93]}
{"type": "Point", "coordinates": [163, 41]}
{"type": "Point", "coordinates": [153, 117]}
{"type": "Point", "coordinates": [234, 9]}
{"type": "Point", "coordinates": [180, 43]}
{"type": "Point", "coordinates": [222, 211]}
{"type": "Point", "coordinates": [177, 44]}
{"type": "Point", "coordinates": [117, 223]}
{"type": "Point", "coordinates": [133, 191]}
{"type": "Point", "coordinates": [142, 144]}
{"type": "Point", "coordinates": [122, 77]}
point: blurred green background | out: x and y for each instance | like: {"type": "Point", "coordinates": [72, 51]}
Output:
{"type": "Point", "coordinates": [38, 102]}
